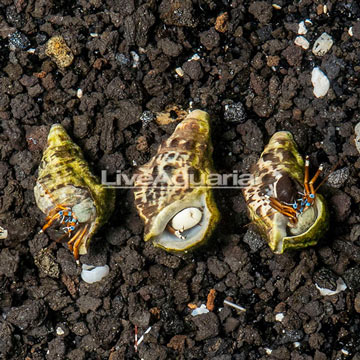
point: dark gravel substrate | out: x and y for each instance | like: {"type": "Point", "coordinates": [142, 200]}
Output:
{"type": "Point", "coordinates": [253, 81]}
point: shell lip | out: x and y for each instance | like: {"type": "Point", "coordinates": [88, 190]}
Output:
{"type": "Point", "coordinates": [309, 237]}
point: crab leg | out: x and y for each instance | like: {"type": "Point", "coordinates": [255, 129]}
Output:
{"type": "Point", "coordinates": [177, 233]}
{"type": "Point", "coordinates": [49, 222]}
{"type": "Point", "coordinates": [77, 243]}
{"type": "Point", "coordinates": [306, 176]}
{"type": "Point", "coordinates": [286, 210]}
{"type": "Point", "coordinates": [312, 181]}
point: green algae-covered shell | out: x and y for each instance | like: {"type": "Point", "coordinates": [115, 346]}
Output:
{"type": "Point", "coordinates": [65, 179]}
{"type": "Point", "coordinates": [280, 163]}
{"type": "Point", "coordinates": [186, 154]}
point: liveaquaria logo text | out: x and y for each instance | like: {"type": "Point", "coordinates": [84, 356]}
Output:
{"type": "Point", "coordinates": [234, 180]}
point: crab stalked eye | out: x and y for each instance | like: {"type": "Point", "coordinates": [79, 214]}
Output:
{"type": "Point", "coordinates": [68, 193]}
{"type": "Point", "coordinates": [285, 226]}
{"type": "Point", "coordinates": [177, 213]}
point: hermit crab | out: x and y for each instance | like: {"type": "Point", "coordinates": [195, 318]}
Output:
{"type": "Point", "coordinates": [171, 191]}
{"type": "Point", "coordinates": [67, 192]}
{"type": "Point", "coordinates": [282, 199]}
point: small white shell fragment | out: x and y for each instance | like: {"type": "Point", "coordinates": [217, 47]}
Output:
{"type": "Point", "coordinates": [200, 310]}
{"type": "Point", "coordinates": [276, 6]}
{"type": "Point", "coordinates": [79, 93]}
{"type": "Point", "coordinates": [179, 71]}
{"type": "Point", "coordinates": [91, 274]}
{"type": "Point", "coordinates": [3, 233]}
{"type": "Point", "coordinates": [301, 41]}
{"type": "Point", "coordinates": [350, 31]}
{"type": "Point", "coordinates": [268, 351]}
{"type": "Point", "coordinates": [195, 57]}
{"type": "Point", "coordinates": [94, 34]}
{"type": "Point", "coordinates": [59, 331]}
{"type": "Point", "coordinates": [31, 51]}
{"type": "Point", "coordinates": [345, 352]}
{"type": "Point", "coordinates": [322, 45]}
{"type": "Point", "coordinates": [296, 344]}
{"type": "Point", "coordinates": [341, 286]}
{"type": "Point", "coordinates": [186, 219]}
{"type": "Point", "coordinates": [136, 59]}
{"type": "Point", "coordinates": [302, 30]}
{"type": "Point", "coordinates": [279, 317]}
{"type": "Point", "coordinates": [320, 82]}
{"type": "Point", "coordinates": [308, 21]}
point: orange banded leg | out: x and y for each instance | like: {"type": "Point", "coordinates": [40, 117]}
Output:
{"type": "Point", "coordinates": [177, 233]}
{"type": "Point", "coordinates": [306, 176]}
{"type": "Point", "coordinates": [312, 181]}
{"type": "Point", "coordinates": [78, 242]}
{"type": "Point", "coordinates": [49, 222]}
{"type": "Point", "coordinates": [284, 209]}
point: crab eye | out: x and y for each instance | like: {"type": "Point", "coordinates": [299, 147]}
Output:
{"type": "Point", "coordinates": [295, 205]}
{"type": "Point", "coordinates": [307, 203]}
{"type": "Point", "coordinates": [312, 196]}
{"type": "Point", "coordinates": [72, 228]}
{"type": "Point", "coordinates": [61, 212]}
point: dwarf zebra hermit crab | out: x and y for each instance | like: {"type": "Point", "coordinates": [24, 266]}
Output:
{"type": "Point", "coordinates": [287, 220]}
{"type": "Point", "coordinates": [178, 214]}
{"type": "Point", "coordinates": [67, 192]}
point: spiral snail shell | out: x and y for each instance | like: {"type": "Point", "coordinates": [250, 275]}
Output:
{"type": "Point", "coordinates": [179, 214]}
{"type": "Point", "coordinates": [68, 194]}
{"type": "Point", "coordinates": [282, 201]}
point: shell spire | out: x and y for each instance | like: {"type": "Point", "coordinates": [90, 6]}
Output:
{"type": "Point", "coordinates": [178, 176]}
{"type": "Point", "coordinates": [69, 194]}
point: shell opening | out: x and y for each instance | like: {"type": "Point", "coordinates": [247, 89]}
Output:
{"type": "Point", "coordinates": [288, 235]}
{"type": "Point", "coordinates": [189, 236]}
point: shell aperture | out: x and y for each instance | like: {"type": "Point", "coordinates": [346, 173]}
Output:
{"type": "Point", "coordinates": [69, 194]}
{"type": "Point", "coordinates": [178, 212]}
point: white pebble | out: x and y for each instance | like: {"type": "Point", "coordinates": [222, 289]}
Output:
{"type": "Point", "coordinates": [79, 93]}
{"type": "Point", "coordinates": [59, 331]}
{"type": "Point", "coordinates": [195, 57]}
{"type": "Point", "coordinates": [268, 351]}
{"type": "Point", "coordinates": [301, 41]}
{"type": "Point", "coordinates": [279, 317]}
{"type": "Point", "coordinates": [322, 45]}
{"type": "Point", "coordinates": [276, 6]}
{"type": "Point", "coordinates": [200, 310]}
{"type": "Point", "coordinates": [186, 218]}
{"type": "Point", "coordinates": [320, 82]}
{"type": "Point", "coordinates": [350, 31]}
{"type": "Point", "coordinates": [341, 286]}
{"type": "Point", "coordinates": [302, 30]}
{"type": "Point", "coordinates": [179, 71]}
{"type": "Point", "coordinates": [296, 344]}
{"type": "Point", "coordinates": [91, 274]}
{"type": "Point", "coordinates": [3, 233]}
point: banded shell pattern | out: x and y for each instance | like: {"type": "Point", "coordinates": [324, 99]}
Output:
{"type": "Point", "coordinates": [279, 174]}
{"type": "Point", "coordinates": [69, 194]}
{"type": "Point", "coordinates": [177, 213]}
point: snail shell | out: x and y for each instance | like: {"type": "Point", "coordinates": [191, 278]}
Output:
{"type": "Point", "coordinates": [279, 173]}
{"type": "Point", "coordinates": [178, 214]}
{"type": "Point", "coordinates": [69, 194]}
